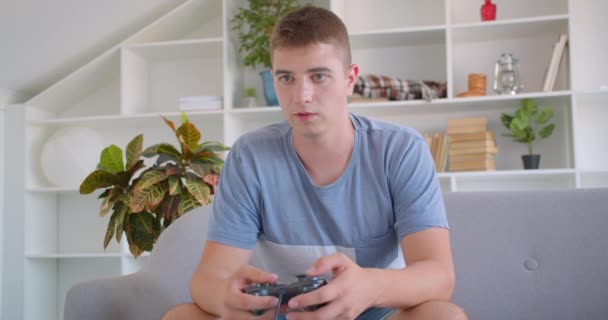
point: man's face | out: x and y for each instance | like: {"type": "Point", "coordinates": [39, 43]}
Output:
{"type": "Point", "coordinates": [312, 86]}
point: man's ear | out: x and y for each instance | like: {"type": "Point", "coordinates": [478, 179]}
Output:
{"type": "Point", "coordinates": [353, 73]}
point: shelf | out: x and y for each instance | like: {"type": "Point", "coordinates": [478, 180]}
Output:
{"type": "Point", "coordinates": [264, 109]}
{"type": "Point", "coordinates": [52, 189]}
{"type": "Point", "coordinates": [157, 75]}
{"type": "Point", "coordinates": [528, 21]}
{"type": "Point", "coordinates": [468, 11]}
{"type": "Point", "coordinates": [516, 180]}
{"type": "Point", "coordinates": [413, 36]}
{"type": "Point", "coordinates": [508, 173]}
{"type": "Point", "coordinates": [73, 255]}
{"type": "Point", "coordinates": [511, 29]}
{"type": "Point", "coordinates": [490, 102]}
{"type": "Point", "coordinates": [93, 89]}
{"type": "Point", "coordinates": [531, 41]}
{"type": "Point", "coordinates": [389, 14]}
{"type": "Point", "coordinates": [133, 120]}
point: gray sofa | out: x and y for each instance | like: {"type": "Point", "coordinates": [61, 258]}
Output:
{"type": "Point", "coordinates": [518, 255]}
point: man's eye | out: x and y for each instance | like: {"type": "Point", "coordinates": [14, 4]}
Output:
{"type": "Point", "coordinates": [318, 76]}
{"type": "Point", "coordinates": [285, 78]}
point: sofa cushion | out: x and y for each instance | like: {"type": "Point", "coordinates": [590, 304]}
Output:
{"type": "Point", "coordinates": [530, 255]}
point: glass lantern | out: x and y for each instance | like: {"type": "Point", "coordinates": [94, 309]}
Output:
{"type": "Point", "coordinates": [506, 75]}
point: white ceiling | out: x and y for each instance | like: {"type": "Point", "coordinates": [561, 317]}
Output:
{"type": "Point", "coordinates": [42, 41]}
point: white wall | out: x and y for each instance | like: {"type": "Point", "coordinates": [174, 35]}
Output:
{"type": "Point", "coordinates": [13, 253]}
{"type": "Point", "coordinates": [11, 256]}
{"type": "Point", "coordinates": [2, 174]}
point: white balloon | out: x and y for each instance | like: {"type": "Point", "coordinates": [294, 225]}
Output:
{"type": "Point", "coordinates": [70, 154]}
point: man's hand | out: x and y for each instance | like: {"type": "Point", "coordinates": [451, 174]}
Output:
{"type": "Point", "coordinates": [238, 305]}
{"type": "Point", "coordinates": [348, 294]}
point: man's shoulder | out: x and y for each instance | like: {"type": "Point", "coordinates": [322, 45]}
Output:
{"type": "Point", "coordinates": [267, 136]}
{"type": "Point", "coordinates": [378, 129]}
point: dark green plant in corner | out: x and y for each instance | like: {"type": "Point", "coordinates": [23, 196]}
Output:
{"type": "Point", "coordinates": [254, 26]}
{"type": "Point", "coordinates": [178, 181]}
{"type": "Point", "coordinates": [529, 123]}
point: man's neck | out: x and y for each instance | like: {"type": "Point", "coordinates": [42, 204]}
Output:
{"type": "Point", "coordinates": [326, 157]}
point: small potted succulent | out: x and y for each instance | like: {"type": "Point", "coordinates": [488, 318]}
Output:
{"type": "Point", "coordinates": [527, 125]}
{"type": "Point", "coordinates": [144, 201]}
{"type": "Point", "coordinates": [253, 25]}
{"type": "Point", "coordinates": [249, 94]}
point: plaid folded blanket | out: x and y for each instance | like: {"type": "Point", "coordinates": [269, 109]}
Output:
{"type": "Point", "coordinates": [380, 86]}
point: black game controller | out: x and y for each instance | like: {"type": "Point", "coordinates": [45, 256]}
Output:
{"type": "Point", "coordinates": [286, 291]}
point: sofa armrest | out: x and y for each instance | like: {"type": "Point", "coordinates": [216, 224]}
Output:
{"type": "Point", "coordinates": [140, 295]}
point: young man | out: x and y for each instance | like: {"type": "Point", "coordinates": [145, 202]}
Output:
{"type": "Point", "coordinates": [329, 194]}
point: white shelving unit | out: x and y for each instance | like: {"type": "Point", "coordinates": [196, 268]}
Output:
{"type": "Point", "coordinates": [191, 51]}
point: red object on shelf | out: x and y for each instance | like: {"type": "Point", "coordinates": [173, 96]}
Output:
{"type": "Point", "coordinates": [488, 11]}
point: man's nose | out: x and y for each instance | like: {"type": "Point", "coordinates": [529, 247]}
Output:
{"type": "Point", "coordinates": [305, 91]}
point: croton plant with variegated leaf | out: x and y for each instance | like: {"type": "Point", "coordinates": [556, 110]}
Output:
{"type": "Point", "coordinates": [146, 200]}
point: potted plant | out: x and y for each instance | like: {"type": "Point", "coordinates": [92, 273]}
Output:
{"type": "Point", "coordinates": [253, 25]}
{"type": "Point", "coordinates": [528, 124]}
{"type": "Point", "coordinates": [145, 201]}
{"type": "Point", "coordinates": [249, 97]}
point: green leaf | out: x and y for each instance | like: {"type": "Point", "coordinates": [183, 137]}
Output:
{"type": "Point", "coordinates": [173, 170]}
{"type": "Point", "coordinates": [109, 231]}
{"type": "Point", "coordinates": [175, 185]}
{"type": "Point", "coordinates": [198, 188]}
{"type": "Point", "coordinates": [111, 159]}
{"type": "Point", "coordinates": [121, 213]}
{"type": "Point", "coordinates": [169, 123]}
{"type": "Point", "coordinates": [150, 178]}
{"type": "Point", "coordinates": [105, 193]}
{"type": "Point", "coordinates": [546, 131]}
{"type": "Point", "coordinates": [211, 159]}
{"type": "Point", "coordinates": [134, 149]}
{"type": "Point", "coordinates": [145, 230]}
{"type": "Point", "coordinates": [170, 206]}
{"type": "Point", "coordinates": [163, 149]}
{"type": "Point", "coordinates": [106, 204]}
{"type": "Point", "coordinates": [187, 203]}
{"type": "Point", "coordinates": [202, 169]}
{"type": "Point", "coordinates": [189, 135]}
{"type": "Point", "coordinates": [213, 146]}
{"type": "Point", "coordinates": [506, 119]}
{"type": "Point", "coordinates": [529, 106]}
{"type": "Point", "coordinates": [148, 198]}
{"type": "Point", "coordinates": [169, 152]}
{"type": "Point", "coordinates": [544, 116]}
{"type": "Point", "coordinates": [185, 118]}
{"type": "Point", "coordinates": [519, 123]}
{"type": "Point", "coordinates": [97, 179]}
{"type": "Point", "coordinates": [217, 168]}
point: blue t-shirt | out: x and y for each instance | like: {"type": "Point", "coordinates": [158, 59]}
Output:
{"type": "Point", "coordinates": [266, 200]}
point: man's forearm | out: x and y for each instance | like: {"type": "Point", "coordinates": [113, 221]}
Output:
{"type": "Point", "coordinates": [419, 282]}
{"type": "Point", "coordinates": [208, 293]}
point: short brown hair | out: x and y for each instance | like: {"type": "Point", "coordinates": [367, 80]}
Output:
{"type": "Point", "coordinates": [309, 25]}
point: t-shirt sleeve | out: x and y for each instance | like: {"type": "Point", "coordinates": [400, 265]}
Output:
{"type": "Point", "coordinates": [417, 196]}
{"type": "Point", "coordinates": [236, 220]}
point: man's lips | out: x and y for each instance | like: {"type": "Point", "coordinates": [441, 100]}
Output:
{"type": "Point", "coordinates": [304, 116]}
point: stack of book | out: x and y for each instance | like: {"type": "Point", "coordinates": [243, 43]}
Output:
{"type": "Point", "coordinates": [200, 103]}
{"type": "Point", "coordinates": [472, 146]}
{"type": "Point", "coordinates": [438, 144]}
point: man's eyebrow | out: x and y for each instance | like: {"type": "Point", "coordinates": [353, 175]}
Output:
{"type": "Point", "coordinates": [280, 71]}
{"type": "Point", "coordinates": [319, 69]}
{"type": "Point", "coordinates": [311, 70]}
